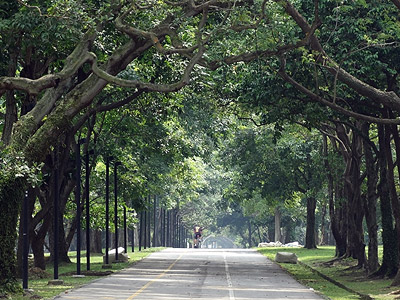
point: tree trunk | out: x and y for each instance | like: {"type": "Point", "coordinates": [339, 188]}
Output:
{"type": "Point", "coordinates": [337, 207]}
{"type": "Point", "coordinates": [310, 229]}
{"type": "Point", "coordinates": [11, 197]}
{"type": "Point", "coordinates": [396, 138]}
{"type": "Point", "coordinates": [351, 150]}
{"type": "Point", "coordinates": [391, 182]}
{"type": "Point", "coordinates": [277, 225]}
{"type": "Point", "coordinates": [389, 237]}
{"type": "Point", "coordinates": [370, 201]}
{"type": "Point", "coordinates": [290, 234]}
{"type": "Point", "coordinates": [324, 226]}
{"type": "Point", "coordinates": [11, 103]}
{"type": "Point", "coordinates": [95, 243]}
{"type": "Point", "coordinates": [250, 232]}
{"type": "Point", "coordinates": [37, 245]}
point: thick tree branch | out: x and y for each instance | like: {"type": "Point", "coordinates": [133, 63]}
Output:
{"type": "Point", "coordinates": [334, 106]}
{"type": "Point", "coordinates": [389, 99]}
{"type": "Point", "coordinates": [34, 86]}
{"type": "Point", "coordinates": [397, 3]}
{"type": "Point", "coordinates": [249, 56]}
{"type": "Point", "coordinates": [147, 86]}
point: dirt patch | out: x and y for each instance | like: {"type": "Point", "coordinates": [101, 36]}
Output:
{"type": "Point", "coordinates": [38, 273]}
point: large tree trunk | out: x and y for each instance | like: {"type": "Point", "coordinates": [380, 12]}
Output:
{"type": "Point", "coordinates": [396, 138]}
{"type": "Point", "coordinates": [352, 152]}
{"type": "Point", "coordinates": [11, 197]}
{"type": "Point", "coordinates": [336, 205]}
{"type": "Point", "coordinates": [310, 229]}
{"type": "Point", "coordinates": [95, 242]}
{"type": "Point", "coordinates": [370, 201]}
{"type": "Point", "coordinates": [389, 237]}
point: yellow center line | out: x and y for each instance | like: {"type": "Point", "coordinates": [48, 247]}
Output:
{"type": "Point", "coordinates": [155, 279]}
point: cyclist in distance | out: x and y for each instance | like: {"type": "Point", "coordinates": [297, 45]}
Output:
{"type": "Point", "coordinates": [197, 230]}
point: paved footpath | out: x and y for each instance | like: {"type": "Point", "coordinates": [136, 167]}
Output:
{"type": "Point", "coordinates": [171, 274]}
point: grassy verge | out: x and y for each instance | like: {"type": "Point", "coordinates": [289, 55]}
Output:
{"type": "Point", "coordinates": [38, 282]}
{"type": "Point", "coordinates": [341, 272]}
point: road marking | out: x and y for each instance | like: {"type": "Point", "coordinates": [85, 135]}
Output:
{"type": "Point", "coordinates": [228, 279]}
{"type": "Point", "coordinates": [155, 279]}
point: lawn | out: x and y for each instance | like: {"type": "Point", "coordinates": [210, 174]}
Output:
{"type": "Point", "coordinates": [43, 289]}
{"type": "Point", "coordinates": [340, 271]}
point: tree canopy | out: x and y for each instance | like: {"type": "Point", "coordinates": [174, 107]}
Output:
{"type": "Point", "coordinates": [248, 107]}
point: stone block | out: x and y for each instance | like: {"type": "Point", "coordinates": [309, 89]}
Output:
{"type": "Point", "coordinates": [122, 257]}
{"type": "Point", "coordinates": [286, 257]}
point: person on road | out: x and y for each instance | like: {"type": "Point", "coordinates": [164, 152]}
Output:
{"type": "Point", "coordinates": [197, 230]}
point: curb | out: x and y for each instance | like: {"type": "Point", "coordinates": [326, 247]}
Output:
{"type": "Point", "coordinates": [341, 285]}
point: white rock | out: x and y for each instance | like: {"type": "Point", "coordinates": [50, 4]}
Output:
{"type": "Point", "coordinates": [270, 244]}
{"type": "Point", "coordinates": [293, 244]}
{"type": "Point", "coordinates": [111, 255]}
{"type": "Point", "coordinates": [286, 257]}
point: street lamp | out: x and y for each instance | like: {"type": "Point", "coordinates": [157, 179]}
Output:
{"type": "Point", "coordinates": [116, 164]}
{"type": "Point", "coordinates": [87, 209]}
{"type": "Point", "coordinates": [108, 159]}
{"type": "Point", "coordinates": [78, 204]}
{"type": "Point", "coordinates": [125, 231]}
{"type": "Point", "coordinates": [25, 243]}
{"type": "Point", "coordinates": [56, 212]}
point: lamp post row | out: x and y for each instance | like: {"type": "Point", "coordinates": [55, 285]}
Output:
{"type": "Point", "coordinates": [143, 215]}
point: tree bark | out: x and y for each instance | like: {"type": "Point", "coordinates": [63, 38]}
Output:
{"type": "Point", "coordinates": [370, 202]}
{"type": "Point", "coordinates": [352, 152]}
{"type": "Point", "coordinates": [250, 232]}
{"type": "Point", "coordinates": [310, 229]}
{"type": "Point", "coordinates": [336, 205]}
{"type": "Point", "coordinates": [396, 138]}
{"type": "Point", "coordinates": [324, 226]}
{"type": "Point", "coordinates": [391, 182]}
{"type": "Point", "coordinates": [11, 192]}
{"type": "Point", "coordinates": [277, 225]}
{"type": "Point", "coordinates": [95, 243]}
{"type": "Point", "coordinates": [11, 104]}
{"type": "Point", "coordinates": [389, 237]}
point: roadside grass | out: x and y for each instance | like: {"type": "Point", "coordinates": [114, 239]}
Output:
{"type": "Point", "coordinates": [43, 290]}
{"type": "Point", "coordinates": [340, 271]}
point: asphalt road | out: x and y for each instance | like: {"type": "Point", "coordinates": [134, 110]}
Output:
{"type": "Point", "coordinates": [232, 274]}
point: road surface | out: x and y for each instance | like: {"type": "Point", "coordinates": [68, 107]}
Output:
{"type": "Point", "coordinates": [171, 274]}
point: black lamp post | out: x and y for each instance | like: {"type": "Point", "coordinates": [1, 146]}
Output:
{"type": "Point", "coordinates": [140, 230]}
{"type": "Point", "coordinates": [25, 243]}
{"type": "Point", "coordinates": [133, 232]}
{"type": "Point", "coordinates": [78, 204]}
{"type": "Point", "coordinates": [125, 231]}
{"type": "Point", "coordinates": [155, 221]}
{"type": "Point", "coordinates": [116, 164]}
{"type": "Point", "coordinates": [56, 216]}
{"type": "Point", "coordinates": [87, 190]}
{"type": "Point", "coordinates": [108, 159]}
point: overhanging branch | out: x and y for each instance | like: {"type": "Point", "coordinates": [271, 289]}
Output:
{"type": "Point", "coordinates": [389, 99]}
{"type": "Point", "coordinates": [334, 106]}
{"type": "Point", "coordinates": [147, 86]}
